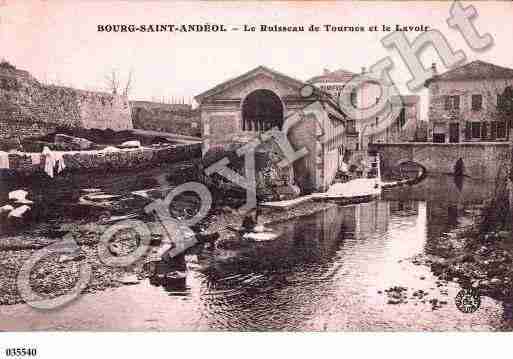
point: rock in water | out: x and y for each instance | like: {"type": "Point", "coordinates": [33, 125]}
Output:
{"type": "Point", "coordinates": [130, 144]}
{"type": "Point", "coordinates": [19, 196]}
{"type": "Point", "coordinates": [19, 212]}
{"type": "Point", "coordinates": [71, 257]}
{"type": "Point", "coordinates": [129, 279]}
{"type": "Point", "coordinates": [6, 209]}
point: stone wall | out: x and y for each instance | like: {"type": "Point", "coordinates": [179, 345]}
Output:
{"type": "Point", "coordinates": [438, 90]}
{"type": "Point", "coordinates": [24, 129]}
{"type": "Point", "coordinates": [84, 161]}
{"type": "Point", "coordinates": [481, 160]}
{"type": "Point", "coordinates": [29, 108]}
{"type": "Point", "coordinates": [175, 118]}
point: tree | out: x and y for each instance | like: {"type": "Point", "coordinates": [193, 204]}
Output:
{"type": "Point", "coordinates": [113, 82]}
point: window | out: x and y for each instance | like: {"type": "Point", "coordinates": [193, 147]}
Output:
{"type": "Point", "coordinates": [353, 98]}
{"type": "Point", "coordinates": [493, 130]}
{"type": "Point", "coordinates": [498, 130]}
{"type": "Point", "coordinates": [501, 130]}
{"type": "Point", "coordinates": [499, 100]}
{"type": "Point", "coordinates": [350, 126]}
{"type": "Point", "coordinates": [402, 118]}
{"type": "Point", "coordinates": [452, 102]}
{"type": "Point", "coordinates": [439, 131]}
{"type": "Point", "coordinates": [477, 102]}
{"type": "Point", "coordinates": [484, 130]}
{"type": "Point", "coordinates": [468, 131]}
{"type": "Point", "coordinates": [476, 129]}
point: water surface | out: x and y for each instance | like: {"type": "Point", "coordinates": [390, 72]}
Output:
{"type": "Point", "coordinates": [327, 271]}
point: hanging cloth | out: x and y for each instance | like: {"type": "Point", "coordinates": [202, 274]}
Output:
{"type": "Point", "coordinates": [36, 158]}
{"type": "Point", "coordinates": [59, 161]}
{"type": "Point", "coordinates": [49, 161]}
{"type": "Point", "coordinates": [4, 160]}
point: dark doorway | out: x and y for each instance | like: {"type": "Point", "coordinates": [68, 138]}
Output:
{"type": "Point", "coordinates": [261, 111]}
{"type": "Point", "coordinates": [439, 137]}
{"type": "Point", "coordinates": [454, 132]}
{"type": "Point", "coordinates": [459, 168]}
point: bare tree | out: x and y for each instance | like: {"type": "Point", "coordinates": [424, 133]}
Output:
{"type": "Point", "coordinates": [113, 82]}
{"type": "Point", "coordinates": [128, 85]}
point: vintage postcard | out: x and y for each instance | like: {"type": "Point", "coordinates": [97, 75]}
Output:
{"type": "Point", "coordinates": [255, 166]}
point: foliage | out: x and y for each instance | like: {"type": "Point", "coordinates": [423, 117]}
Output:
{"type": "Point", "coordinates": [4, 64]}
{"type": "Point", "coordinates": [497, 213]}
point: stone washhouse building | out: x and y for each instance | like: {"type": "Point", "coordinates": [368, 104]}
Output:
{"type": "Point", "coordinates": [465, 104]}
{"type": "Point", "coordinates": [262, 98]}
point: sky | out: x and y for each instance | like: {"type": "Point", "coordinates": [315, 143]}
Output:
{"type": "Point", "coordinates": [58, 41]}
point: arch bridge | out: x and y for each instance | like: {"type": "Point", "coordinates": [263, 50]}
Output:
{"type": "Point", "coordinates": [479, 160]}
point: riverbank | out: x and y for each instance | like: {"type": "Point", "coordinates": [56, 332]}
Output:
{"type": "Point", "coordinates": [58, 273]}
{"type": "Point", "coordinates": [482, 261]}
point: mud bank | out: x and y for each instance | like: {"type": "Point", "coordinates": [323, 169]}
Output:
{"type": "Point", "coordinates": [57, 274]}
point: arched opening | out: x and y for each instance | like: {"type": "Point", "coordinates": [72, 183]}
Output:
{"type": "Point", "coordinates": [262, 110]}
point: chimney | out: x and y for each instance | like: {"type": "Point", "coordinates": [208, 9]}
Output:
{"type": "Point", "coordinates": [326, 71]}
{"type": "Point", "coordinates": [363, 70]}
{"type": "Point", "coordinates": [433, 68]}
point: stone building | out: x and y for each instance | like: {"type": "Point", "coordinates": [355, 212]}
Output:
{"type": "Point", "coordinates": [247, 105]}
{"type": "Point", "coordinates": [175, 118]}
{"type": "Point", "coordinates": [362, 131]}
{"type": "Point", "coordinates": [29, 108]}
{"type": "Point", "coordinates": [464, 103]}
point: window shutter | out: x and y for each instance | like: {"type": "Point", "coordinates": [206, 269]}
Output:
{"type": "Point", "coordinates": [456, 102]}
{"type": "Point", "coordinates": [447, 105]}
{"type": "Point", "coordinates": [484, 130]}
{"type": "Point", "coordinates": [468, 130]}
{"type": "Point", "coordinates": [493, 132]}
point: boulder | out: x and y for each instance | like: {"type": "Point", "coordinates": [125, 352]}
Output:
{"type": "Point", "coordinates": [76, 256]}
{"type": "Point", "coordinates": [19, 212]}
{"type": "Point", "coordinates": [6, 209]}
{"type": "Point", "coordinates": [19, 196]}
{"type": "Point", "coordinates": [130, 144]}
{"type": "Point", "coordinates": [129, 279]}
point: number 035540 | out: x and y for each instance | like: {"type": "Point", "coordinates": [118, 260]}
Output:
{"type": "Point", "coordinates": [20, 352]}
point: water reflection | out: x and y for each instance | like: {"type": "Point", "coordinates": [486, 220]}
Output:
{"type": "Point", "coordinates": [170, 275]}
{"type": "Point", "coordinates": [325, 272]}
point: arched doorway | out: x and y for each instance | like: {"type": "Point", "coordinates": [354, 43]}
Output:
{"type": "Point", "coordinates": [262, 110]}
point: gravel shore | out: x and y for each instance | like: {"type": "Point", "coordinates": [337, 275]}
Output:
{"type": "Point", "coordinates": [56, 274]}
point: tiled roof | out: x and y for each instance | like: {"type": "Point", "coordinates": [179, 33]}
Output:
{"type": "Point", "coordinates": [340, 75]}
{"type": "Point", "coordinates": [475, 70]}
{"type": "Point", "coordinates": [260, 69]}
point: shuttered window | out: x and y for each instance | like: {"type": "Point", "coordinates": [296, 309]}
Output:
{"type": "Point", "coordinates": [468, 130]}
{"type": "Point", "coordinates": [501, 130]}
{"type": "Point", "coordinates": [476, 129]}
{"type": "Point", "coordinates": [452, 103]}
{"type": "Point", "coordinates": [477, 102]}
{"type": "Point", "coordinates": [484, 130]}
